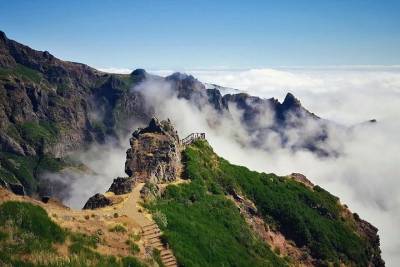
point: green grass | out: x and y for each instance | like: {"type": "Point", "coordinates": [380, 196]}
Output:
{"type": "Point", "coordinates": [118, 229]}
{"type": "Point", "coordinates": [20, 168]}
{"type": "Point", "coordinates": [27, 169]}
{"type": "Point", "coordinates": [85, 240]}
{"type": "Point", "coordinates": [26, 229]}
{"type": "Point", "coordinates": [37, 133]}
{"type": "Point", "coordinates": [310, 218]}
{"type": "Point", "coordinates": [134, 248]}
{"type": "Point", "coordinates": [21, 72]}
{"type": "Point", "coordinates": [7, 176]}
{"type": "Point", "coordinates": [30, 226]}
{"type": "Point", "coordinates": [206, 229]}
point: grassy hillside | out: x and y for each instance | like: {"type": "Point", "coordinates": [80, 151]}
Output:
{"type": "Point", "coordinates": [27, 169]}
{"type": "Point", "coordinates": [205, 229]}
{"type": "Point", "coordinates": [28, 237]}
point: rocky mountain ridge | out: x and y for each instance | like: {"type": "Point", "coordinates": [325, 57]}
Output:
{"type": "Point", "coordinates": [51, 108]}
{"type": "Point", "coordinates": [159, 167]}
{"type": "Point", "coordinates": [195, 198]}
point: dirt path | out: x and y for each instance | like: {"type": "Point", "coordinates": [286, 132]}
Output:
{"type": "Point", "coordinates": [132, 209]}
{"type": "Point", "coordinates": [126, 211]}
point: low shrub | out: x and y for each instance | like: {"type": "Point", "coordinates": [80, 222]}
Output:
{"type": "Point", "coordinates": [118, 229]}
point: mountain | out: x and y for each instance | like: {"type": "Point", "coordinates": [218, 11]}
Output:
{"type": "Point", "coordinates": [50, 108]}
{"type": "Point", "coordinates": [183, 205]}
{"type": "Point", "coordinates": [180, 204]}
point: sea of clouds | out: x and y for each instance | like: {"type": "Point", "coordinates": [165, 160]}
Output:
{"type": "Point", "coordinates": [365, 176]}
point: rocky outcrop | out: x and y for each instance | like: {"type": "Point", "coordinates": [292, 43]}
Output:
{"type": "Point", "coordinates": [17, 189]}
{"type": "Point", "coordinates": [186, 86]}
{"type": "Point", "coordinates": [121, 185]}
{"type": "Point", "coordinates": [301, 179]}
{"type": "Point", "coordinates": [154, 153]}
{"type": "Point", "coordinates": [50, 107]}
{"type": "Point", "coordinates": [154, 157]}
{"type": "Point", "coordinates": [10, 145]}
{"type": "Point", "coordinates": [370, 232]}
{"type": "Point", "coordinates": [97, 201]}
{"type": "Point", "coordinates": [68, 104]}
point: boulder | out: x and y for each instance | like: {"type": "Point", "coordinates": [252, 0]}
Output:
{"type": "Point", "coordinates": [3, 183]}
{"type": "Point", "coordinates": [8, 144]}
{"type": "Point", "coordinates": [17, 189]}
{"type": "Point", "coordinates": [154, 153]}
{"type": "Point", "coordinates": [121, 186]}
{"type": "Point", "coordinates": [301, 179]}
{"type": "Point", "coordinates": [97, 201]}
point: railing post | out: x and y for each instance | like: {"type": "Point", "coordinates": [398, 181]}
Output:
{"type": "Point", "coordinates": [192, 137]}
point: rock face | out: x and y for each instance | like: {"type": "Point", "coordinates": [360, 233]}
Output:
{"type": "Point", "coordinates": [50, 107]}
{"type": "Point", "coordinates": [121, 185]}
{"type": "Point", "coordinates": [154, 153]}
{"type": "Point", "coordinates": [36, 87]}
{"type": "Point", "coordinates": [371, 234]}
{"type": "Point", "coordinates": [97, 201]}
{"type": "Point", "coordinates": [17, 189]}
{"type": "Point", "coordinates": [301, 179]}
{"type": "Point", "coordinates": [153, 157]}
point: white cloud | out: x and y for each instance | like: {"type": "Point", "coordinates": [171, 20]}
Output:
{"type": "Point", "coordinates": [334, 93]}
{"type": "Point", "coordinates": [115, 70]}
{"type": "Point", "coordinates": [366, 176]}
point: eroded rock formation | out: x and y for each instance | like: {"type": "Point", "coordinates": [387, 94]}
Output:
{"type": "Point", "coordinates": [154, 153]}
{"type": "Point", "coordinates": [121, 185]}
{"type": "Point", "coordinates": [153, 157]}
{"type": "Point", "coordinates": [97, 201]}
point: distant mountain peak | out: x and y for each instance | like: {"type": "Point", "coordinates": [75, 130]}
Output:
{"type": "Point", "coordinates": [139, 72]}
{"type": "Point", "coordinates": [3, 36]}
{"type": "Point", "coordinates": [180, 76]}
{"type": "Point", "coordinates": [291, 101]}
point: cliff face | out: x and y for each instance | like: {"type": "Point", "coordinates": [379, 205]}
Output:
{"type": "Point", "coordinates": [50, 108]}
{"type": "Point", "coordinates": [154, 157]}
{"type": "Point", "coordinates": [154, 153]}
{"type": "Point", "coordinates": [71, 104]}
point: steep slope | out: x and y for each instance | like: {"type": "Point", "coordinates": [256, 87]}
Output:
{"type": "Point", "coordinates": [303, 222]}
{"type": "Point", "coordinates": [211, 214]}
{"type": "Point", "coordinates": [30, 237]}
{"type": "Point", "coordinates": [51, 108]}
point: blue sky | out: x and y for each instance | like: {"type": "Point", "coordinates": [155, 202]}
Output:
{"type": "Point", "coordinates": [209, 34]}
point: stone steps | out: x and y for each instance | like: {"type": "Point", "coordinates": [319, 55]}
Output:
{"type": "Point", "coordinates": [156, 242]}
{"type": "Point", "coordinates": [151, 234]}
{"type": "Point", "coordinates": [166, 262]}
{"type": "Point", "coordinates": [165, 252]}
{"type": "Point", "coordinates": [172, 264]}
{"type": "Point", "coordinates": [168, 257]}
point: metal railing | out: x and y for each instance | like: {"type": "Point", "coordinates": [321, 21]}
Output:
{"type": "Point", "coordinates": [192, 137]}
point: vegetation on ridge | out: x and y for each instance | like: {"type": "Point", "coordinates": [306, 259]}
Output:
{"type": "Point", "coordinates": [206, 229]}
{"type": "Point", "coordinates": [203, 223]}
{"type": "Point", "coordinates": [28, 238]}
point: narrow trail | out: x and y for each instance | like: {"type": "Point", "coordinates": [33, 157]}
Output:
{"type": "Point", "coordinates": [149, 229]}
{"type": "Point", "coordinates": [131, 207]}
